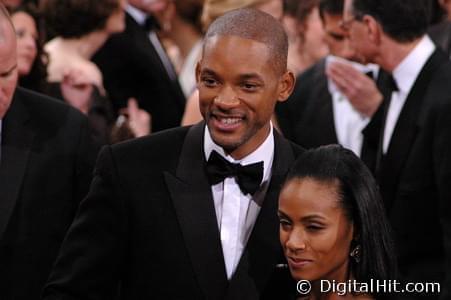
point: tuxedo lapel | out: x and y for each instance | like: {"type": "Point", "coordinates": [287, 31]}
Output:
{"type": "Point", "coordinates": [17, 139]}
{"type": "Point", "coordinates": [263, 250]}
{"type": "Point", "coordinates": [194, 206]}
{"type": "Point", "coordinates": [406, 128]}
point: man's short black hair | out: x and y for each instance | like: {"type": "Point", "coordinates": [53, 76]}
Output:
{"type": "Point", "coordinates": [402, 20]}
{"type": "Point", "coordinates": [255, 25]}
{"type": "Point", "coordinates": [331, 7]}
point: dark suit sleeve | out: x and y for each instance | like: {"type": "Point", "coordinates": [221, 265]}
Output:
{"type": "Point", "coordinates": [89, 262]}
{"type": "Point", "coordinates": [442, 165]}
{"type": "Point", "coordinates": [86, 153]}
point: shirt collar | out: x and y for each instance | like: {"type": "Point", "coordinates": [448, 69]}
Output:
{"type": "Point", "coordinates": [264, 152]}
{"type": "Point", "coordinates": [137, 14]}
{"type": "Point", "coordinates": [407, 71]}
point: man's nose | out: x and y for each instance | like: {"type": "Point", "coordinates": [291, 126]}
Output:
{"type": "Point", "coordinates": [227, 98]}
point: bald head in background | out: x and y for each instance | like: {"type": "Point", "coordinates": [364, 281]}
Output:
{"type": "Point", "coordinates": [8, 61]}
{"type": "Point", "coordinates": [255, 25]}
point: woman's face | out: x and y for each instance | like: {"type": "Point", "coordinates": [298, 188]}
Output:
{"type": "Point", "coordinates": [314, 231]}
{"type": "Point", "coordinates": [116, 21]}
{"type": "Point", "coordinates": [272, 7]}
{"type": "Point", "coordinates": [27, 36]}
{"type": "Point", "coordinates": [314, 43]}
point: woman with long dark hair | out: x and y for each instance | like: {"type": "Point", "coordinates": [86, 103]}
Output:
{"type": "Point", "coordinates": [333, 225]}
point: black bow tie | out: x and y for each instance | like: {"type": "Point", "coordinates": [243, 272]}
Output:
{"type": "Point", "coordinates": [249, 177]}
{"type": "Point", "coordinates": [391, 84]}
{"type": "Point", "coordinates": [370, 74]}
{"type": "Point", "coordinates": [151, 23]}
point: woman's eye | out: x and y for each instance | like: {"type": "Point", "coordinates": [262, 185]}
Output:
{"type": "Point", "coordinates": [315, 227]}
{"type": "Point", "coordinates": [284, 222]}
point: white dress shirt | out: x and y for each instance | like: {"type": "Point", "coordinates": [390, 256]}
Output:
{"type": "Point", "coordinates": [348, 122]}
{"type": "Point", "coordinates": [405, 75]}
{"type": "Point", "coordinates": [236, 213]}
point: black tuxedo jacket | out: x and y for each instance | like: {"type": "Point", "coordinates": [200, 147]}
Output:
{"type": "Point", "coordinates": [415, 176]}
{"type": "Point", "coordinates": [131, 67]}
{"type": "Point", "coordinates": [307, 118]}
{"type": "Point", "coordinates": [149, 225]}
{"type": "Point", "coordinates": [45, 170]}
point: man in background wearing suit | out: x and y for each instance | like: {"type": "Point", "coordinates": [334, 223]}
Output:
{"type": "Point", "coordinates": [332, 101]}
{"type": "Point", "coordinates": [134, 64]}
{"type": "Point", "coordinates": [415, 144]}
{"type": "Point", "coordinates": [46, 161]}
{"type": "Point", "coordinates": [191, 213]}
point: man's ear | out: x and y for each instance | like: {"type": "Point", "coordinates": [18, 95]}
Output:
{"type": "Point", "coordinates": [198, 72]}
{"type": "Point", "coordinates": [374, 29]}
{"type": "Point", "coordinates": [286, 85]}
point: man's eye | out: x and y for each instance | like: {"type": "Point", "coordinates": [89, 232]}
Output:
{"type": "Point", "coordinates": [210, 82]}
{"type": "Point", "coordinates": [249, 86]}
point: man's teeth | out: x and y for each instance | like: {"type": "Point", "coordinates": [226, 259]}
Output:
{"type": "Point", "coordinates": [229, 121]}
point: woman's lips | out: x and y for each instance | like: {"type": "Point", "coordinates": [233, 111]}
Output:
{"type": "Point", "coordinates": [298, 262]}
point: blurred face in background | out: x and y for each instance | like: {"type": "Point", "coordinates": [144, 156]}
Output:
{"type": "Point", "coordinates": [313, 37]}
{"type": "Point", "coordinates": [27, 36]}
{"type": "Point", "coordinates": [272, 7]}
{"type": "Point", "coordinates": [337, 38]}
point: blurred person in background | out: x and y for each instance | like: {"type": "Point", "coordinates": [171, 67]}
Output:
{"type": "Point", "coordinates": [305, 31]}
{"type": "Point", "coordinates": [185, 30]}
{"type": "Point", "coordinates": [46, 162]}
{"type": "Point", "coordinates": [415, 139]}
{"type": "Point", "coordinates": [31, 60]}
{"type": "Point", "coordinates": [135, 65]}
{"type": "Point", "coordinates": [211, 11]}
{"type": "Point", "coordinates": [80, 29]}
{"type": "Point", "coordinates": [334, 101]}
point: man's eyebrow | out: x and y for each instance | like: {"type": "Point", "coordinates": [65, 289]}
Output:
{"type": "Point", "coordinates": [208, 71]}
{"type": "Point", "coordinates": [8, 71]}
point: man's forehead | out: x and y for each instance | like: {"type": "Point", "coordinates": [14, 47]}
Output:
{"type": "Point", "coordinates": [235, 40]}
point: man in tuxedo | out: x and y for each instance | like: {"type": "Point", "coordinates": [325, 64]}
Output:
{"type": "Point", "coordinates": [134, 64]}
{"type": "Point", "coordinates": [46, 161]}
{"type": "Point", "coordinates": [333, 102]}
{"type": "Point", "coordinates": [191, 213]}
{"type": "Point", "coordinates": [415, 168]}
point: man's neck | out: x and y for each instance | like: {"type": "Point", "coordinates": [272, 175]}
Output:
{"type": "Point", "coordinates": [393, 53]}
